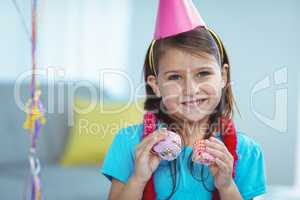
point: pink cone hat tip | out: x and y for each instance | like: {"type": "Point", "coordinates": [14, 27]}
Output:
{"type": "Point", "coordinates": [176, 16]}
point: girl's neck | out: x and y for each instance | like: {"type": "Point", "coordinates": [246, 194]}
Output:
{"type": "Point", "coordinates": [194, 130]}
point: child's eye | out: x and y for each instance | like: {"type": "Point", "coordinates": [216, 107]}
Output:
{"type": "Point", "coordinates": [203, 73]}
{"type": "Point", "coordinates": [174, 77]}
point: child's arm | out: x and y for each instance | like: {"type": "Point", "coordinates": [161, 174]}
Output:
{"type": "Point", "coordinates": [132, 190]}
{"type": "Point", "coordinates": [145, 165]}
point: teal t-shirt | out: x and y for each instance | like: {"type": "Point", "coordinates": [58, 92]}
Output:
{"type": "Point", "coordinates": [250, 170]}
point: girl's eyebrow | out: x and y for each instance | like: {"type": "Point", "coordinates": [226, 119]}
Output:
{"type": "Point", "coordinates": [202, 68]}
{"type": "Point", "coordinates": [172, 71]}
{"type": "Point", "coordinates": [196, 69]}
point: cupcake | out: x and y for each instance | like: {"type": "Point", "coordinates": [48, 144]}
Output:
{"type": "Point", "coordinates": [199, 149]}
{"type": "Point", "coordinates": [168, 148]}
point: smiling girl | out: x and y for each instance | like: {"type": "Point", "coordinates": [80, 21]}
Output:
{"type": "Point", "coordinates": [188, 89]}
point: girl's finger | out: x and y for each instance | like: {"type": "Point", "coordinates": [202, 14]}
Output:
{"type": "Point", "coordinates": [216, 144]}
{"type": "Point", "coordinates": [219, 154]}
{"type": "Point", "coordinates": [222, 166]}
{"type": "Point", "coordinates": [159, 133]}
{"type": "Point", "coordinates": [138, 152]}
{"type": "Point", "coordinates": [141, 146]}
{"type": "Point", "coordinates": [152, 142]}
{"type": "Point", "coordinates": [214, 139]}
{"type": "Point", "coordinates": [201, 159]}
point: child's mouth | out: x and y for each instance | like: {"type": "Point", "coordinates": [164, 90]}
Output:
{"type": "Point", "coordinates": [194, 102]}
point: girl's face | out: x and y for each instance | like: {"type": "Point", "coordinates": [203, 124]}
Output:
{"type": "Point", "coordinates": [190, 86]}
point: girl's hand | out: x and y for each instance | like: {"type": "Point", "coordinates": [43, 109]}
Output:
{"type": "Point", "coordinates": [145, 161]}
{"type": "Point", "coordinates": [222, 166]}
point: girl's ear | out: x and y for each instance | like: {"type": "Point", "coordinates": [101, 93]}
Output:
{"type": "Point", "coordinates": [225, 69]}
{"type": "Point", "coordinates": [152, 81]}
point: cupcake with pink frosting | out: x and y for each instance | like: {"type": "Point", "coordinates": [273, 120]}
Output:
{"type": "Point", "coordinates": [168, 148]}
{"type": "Point", "coordinates": [200, 155]}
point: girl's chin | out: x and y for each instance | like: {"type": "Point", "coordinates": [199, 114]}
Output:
{"type": "Point", "coordinates": [192, 117]}
{"type": "Point", "coordinates": [190, 114]}
{"type": "Point", "coordinates": [195, 115]}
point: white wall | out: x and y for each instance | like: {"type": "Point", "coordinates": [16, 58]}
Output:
{"type": "Point", "coordinates": [80, 37]}
{"type": "Point", "coordinates": [297, 171]}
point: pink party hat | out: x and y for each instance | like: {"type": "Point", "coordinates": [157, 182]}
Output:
{"type": "Point", "coordinates": [176, 16]}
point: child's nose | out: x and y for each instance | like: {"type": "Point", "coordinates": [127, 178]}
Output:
{"type": "Point", "coordinates": [190, 87]}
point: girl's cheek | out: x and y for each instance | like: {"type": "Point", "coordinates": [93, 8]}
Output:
{"type": "Point", "coordinates": [171, 104]}
{"type": "Point", "coordinates": [213, 91]}
{"type": "Point", "coordinates": [170, 97]}
{"type": "Point", "coordinates": [212, 88]}
{"type": "Point", "coordinates": [171, 90]}
{"type": "Point", "coordinates": [173, 86]}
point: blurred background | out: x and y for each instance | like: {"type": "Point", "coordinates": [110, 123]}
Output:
{"type": "Point", "coordinates": [94, 50]}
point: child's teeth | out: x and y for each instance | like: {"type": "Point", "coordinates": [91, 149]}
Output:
{"type": "Point", "coordinates": [194, 103]}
